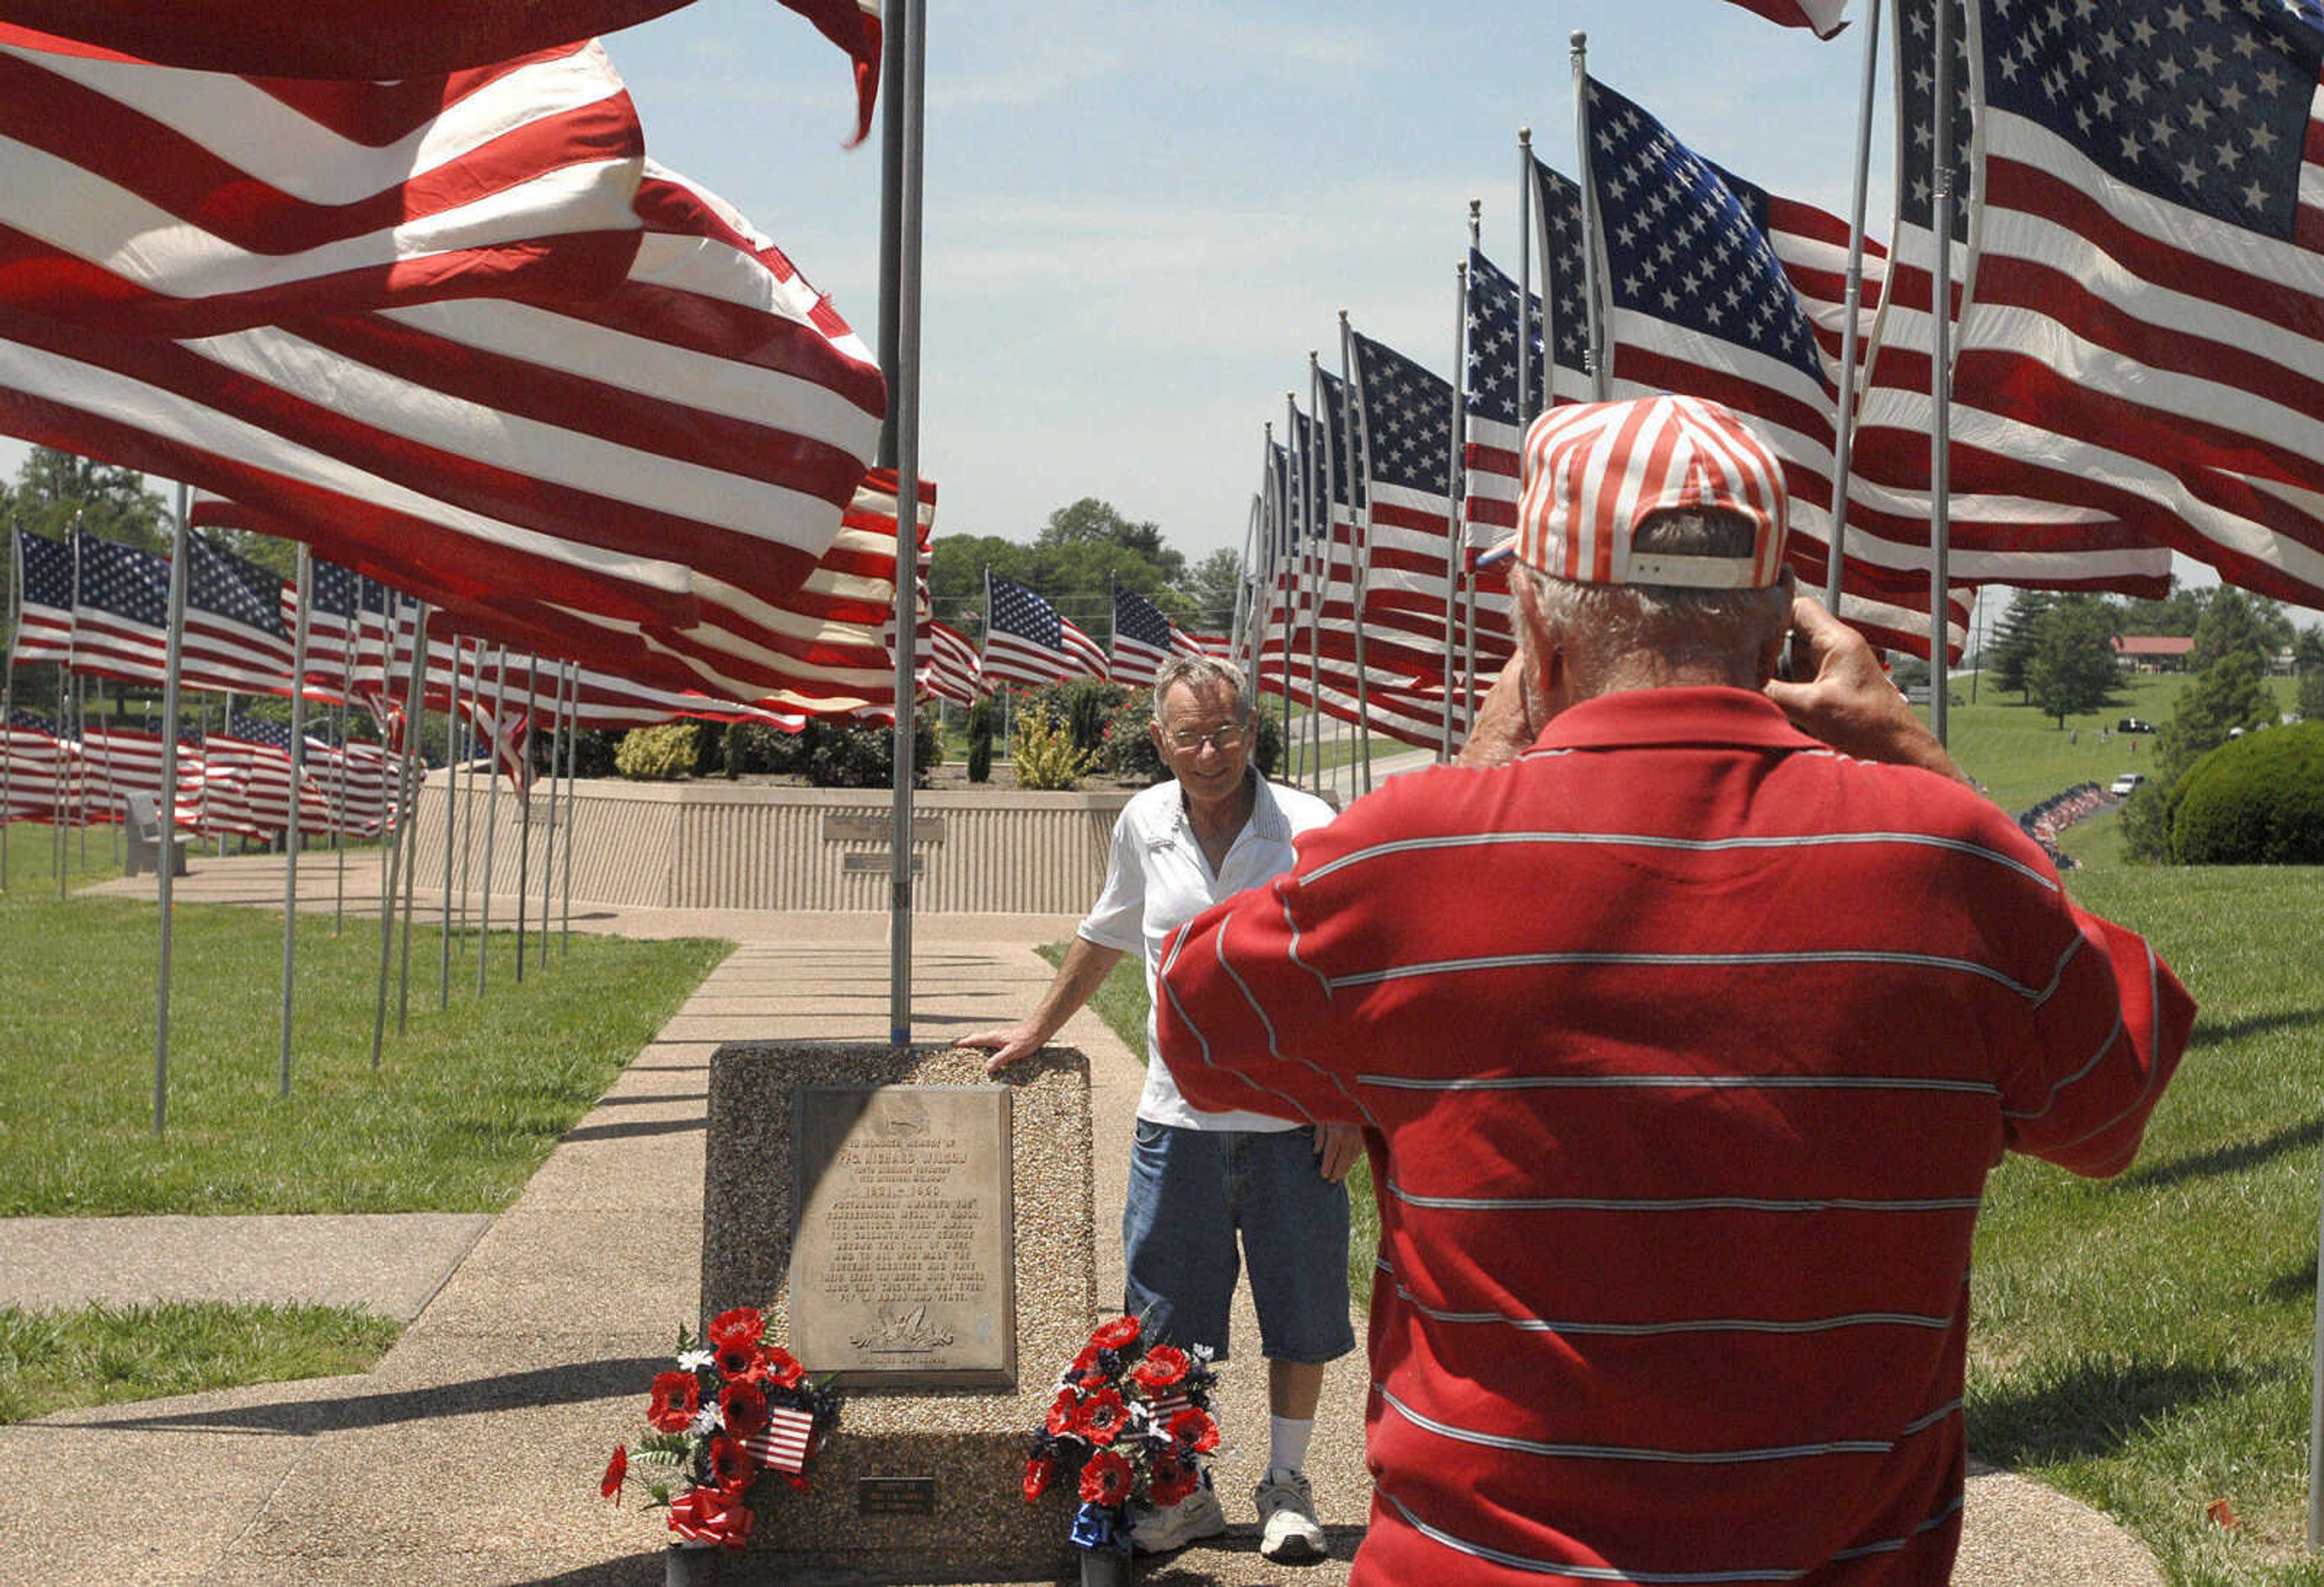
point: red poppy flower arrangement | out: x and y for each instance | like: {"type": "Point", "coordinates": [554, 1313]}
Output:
{"type": "Point", "coordinates": [735, 1406]}
{"type": "Point", "coordinates": [1130, 1425]}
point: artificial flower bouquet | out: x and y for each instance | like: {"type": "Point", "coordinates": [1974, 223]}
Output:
{"type": "Point", "coordinates": [735, 1404]}
{"type": "Point", "coordinates": [1131, 1425]}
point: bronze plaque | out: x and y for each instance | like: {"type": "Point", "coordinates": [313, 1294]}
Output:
{"type": "Point", "coordinates": [895, 1496]}
{"type": "Point", "coordinates": [861, 827]}
{"type": "Point", "coordinates": [903, 1251]}
{"type": "Point", "coordinates": [879, 862]}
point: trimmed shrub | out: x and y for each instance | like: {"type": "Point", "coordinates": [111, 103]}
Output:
{"type": "Point", "coordinates": [1044, 754]}
{"type": "Point", "coordinates": [2257, 800]}
{"type": "Point", "coordinates": [656, 755]}
{"type": "Point", "coordinates": [843, 755]}
{"type": "Point", "coordinates": [980, 741]}
{"type": "Point", "coordinates": [593, 753]}
{"type": "Point", "coordinates": [1126, 747]}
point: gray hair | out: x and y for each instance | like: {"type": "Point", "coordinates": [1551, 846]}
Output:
{"type": "Point", "coordinates": [1608, 628]}
{"type": "Point", "coordinates": [1198, 673]}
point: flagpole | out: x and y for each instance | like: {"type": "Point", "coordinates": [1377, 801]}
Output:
{"type": "Point", "coordinates": [1941, 375]}
{"type": "Point", "coordinates": [451, 825]}
{"type": "Point", "coordinates": [469, 774]}
{"type": "Point", "coordinates": [80, 763]}
{"type": "Point", "coordinates": [1452, 497]}
{"type": "Point", "coordinates": [1460, 520]}
{"type": "Point", "coordinates": [1278, 487]}
{"type": "Point", "coordinates": [1239, 625]}
{"type": "Point", "coordinates": [300, 637]}
{"type": "Point", "coordinates": [1524, 285]}
{"type": "Point", "coordinates": [549, 837]}
{"type": "Point", "coordinates": [492, 814]}
{"type": "Point", "coordinates": [1325, 498]}
{"type": "Point", "coordinates": [904, 406]}
{"type": "Point", "coordinates": [405, 856]}
{"type": "Point", "coordinates": [1311, 574]}
{"type": "Point", "coordinates": [1359, 551]}
{"type": "Point", "coordinates": [165, 850]}
{"type": "Point", "coordinates": [572, 810]}
{"type": "Point", "coordinates": [8, 699]}
{"type": "Point", "coordinates": [1600, 385]}
{"type": "Point", "coordinates": [1843, 451]}
{"type": "Point", "coordinates": [524, 805]}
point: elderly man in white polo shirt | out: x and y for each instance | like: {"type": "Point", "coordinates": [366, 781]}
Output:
{"type": "Point", "coordinates": [1197, 1177]}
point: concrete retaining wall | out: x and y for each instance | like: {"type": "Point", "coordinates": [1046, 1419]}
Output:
{"type": "Point", "coordinates": [714, 845]}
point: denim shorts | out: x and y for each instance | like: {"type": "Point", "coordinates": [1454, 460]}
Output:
{"type": "Point", "coordinates": [1190, 1191]}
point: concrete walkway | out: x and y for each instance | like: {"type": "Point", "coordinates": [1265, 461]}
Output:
{"type": "Point", "coordinates": [471, 1455]}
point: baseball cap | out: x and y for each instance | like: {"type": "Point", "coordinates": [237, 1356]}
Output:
{"type": "Point", "coordinates": [1594, 471]}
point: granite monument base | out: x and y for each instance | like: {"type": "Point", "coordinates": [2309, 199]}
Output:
{"type": "Point", "coordinates": [921, 1483]}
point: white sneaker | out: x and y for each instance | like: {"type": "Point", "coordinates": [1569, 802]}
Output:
{"type": "Point", "coordinates": [1288, 1530]}
{"type": "Point", "coordinates": [1193, 1517]}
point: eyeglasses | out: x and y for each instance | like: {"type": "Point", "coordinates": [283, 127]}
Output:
{"type": "Point", "coordinates": [1226, 740]}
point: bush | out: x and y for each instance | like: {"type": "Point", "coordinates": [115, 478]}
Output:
{"type": "Point", "coordinates": [656, 755]}
{"type": "Point", "coordinates": [756, 749]}
{"type": "Point", "coordinates": [593, 753]}
{"type": "Point", "coordinates": [1046, 755]}
{"type": "Point", "coordinates": [2258, 800]}
{"type": "Point", "coordinates": [1127, 749]}
{"type": "Point", "coordinates": [844, 755]}
{"type": "Point", "coordinates": [980, 741]}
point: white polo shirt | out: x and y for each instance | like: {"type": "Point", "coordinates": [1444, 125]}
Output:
{"type": "Point", "coordinates": [1157, 880]}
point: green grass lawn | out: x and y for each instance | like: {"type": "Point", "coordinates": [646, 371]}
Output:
{"type": "Point", "coordinates": [106, 1355]}
{"type": "Point", "coordinates": [462, 1111]}
{"type": "Point", "coordinates": [2143, 1343]}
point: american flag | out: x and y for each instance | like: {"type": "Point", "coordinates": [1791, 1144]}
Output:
{"type": "Point", "coordinates": [1556, 204]}
{"type": "Point", "coordinates": [1404, 414]}
{"type": "Point", "coordinates": [784, 1443]}
{"type": "Point", "coordinates": [351, 782]}
{"type": "Point", "coordinates": [44, 617]}
{"type": "Point", "coordinates": [246, 779]}
{"type": "Point", "coordinates": [330, 626]}
{"type": "Point", "coordinates": [1027, 642]}
{"type": "Point", "coordinates": [1825, 18]}
{"type": "Point", "coordinates": [1143, 639]}
{"type": "Point", "coordinates": [2022, 509]}
{"type": "Point", "coordinates": [121, 616]}
{"type": "Point", "coordinates": [508, 731]}
{"type": "Point", "coordinates": [234, 640]}
{"type": "Point", "coordinates": [122, 761]}
{"type": "Point", "coordinates": [42, 771]}
{"type": "Point", "coordinates": [355, 39]}
{"type": "Point", "coordinates": [171, 202]}
{"type": "Point", "coordinates": [2148, 254]}
{"type": "Point", "coordinates": [709, 420]}
{"type": "Point", "coordinates": [955, 672]}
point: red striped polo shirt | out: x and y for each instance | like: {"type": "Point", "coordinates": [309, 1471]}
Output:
{"type": "Point", "coordinates": [1686, 1044]}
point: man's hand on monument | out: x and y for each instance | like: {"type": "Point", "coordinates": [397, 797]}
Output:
{"type": "Point", "coordinates": [1845, 701]}
{"type": "Point", "coordinates": [1011, 1044]}
{"type": "Point", "coordinates": [1337, 1147]}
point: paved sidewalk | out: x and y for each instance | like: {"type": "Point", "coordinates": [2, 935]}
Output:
{"type": "Point", "coordinates": [471, 1454]}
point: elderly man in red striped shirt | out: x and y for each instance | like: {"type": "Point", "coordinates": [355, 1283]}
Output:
{"type": "Point", "coordinates": [1685, 1019]}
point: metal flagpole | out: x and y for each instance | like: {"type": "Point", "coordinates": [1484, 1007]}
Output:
{"type": "Point", "coordinates": [112, 827]}
{"type": "Point", "coordinates": [415, 778]}
{"type": "Point", "coordinates": [549, 837]}
{"type": "Point", "coordinates": [1359, 551]}
{"type": "Point", "coordinates": [492, 813]}
{"type": "Point", "coordinates": [1280, 488]}
{"type": "Point", "coordinates": [1300, 508]}
{"type": "Point", "coordinates": [1941, 375]}
{"type": "Point", "coordinates": [1843, 449]}
{"type": "Point", "coordinates": [390, 837]}
{"type": "Point", "coordinates": [1462, 550]}
{"type": "Point", "coordinates": [1238, 625]}
{"type": "Point", "coordinates": [9, 698]}
{"type": "Point", "coordinates": [1525, 284]}
{"type": "Point", "coordinates": [80, 763]}
{"type": "Point", "coordinates": [1313, 574]}
{"type": "Point", "coordinates": [468, 773]}
{"type": "Point", "coordinates": [165, 851]}
{"type": "Point", "coordinates": [572, 808]}
{"type": "Point", "coordinates": [451, 828]}
{"type": "Point", "coordinates": [524, 806]}
{"type": "Point", "coordinates": [1453, 499]}
{"type": "Point", "coordinates": [1600, 384]}
{"type": "Point", "coordinates": [905, 139]}
{"type": "Point", "coordinates": [1326, 474]}
{"type": "Point", "coordinates": [299, 638]}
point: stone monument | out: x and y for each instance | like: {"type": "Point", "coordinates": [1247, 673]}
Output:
{"type": "Point", "coordinates": [924, 1231]}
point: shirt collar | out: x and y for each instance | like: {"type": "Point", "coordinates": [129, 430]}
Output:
{"type": "Point", "coordinates": [1267, 823]}
{"type": "Point", "coordinates": [1644, 717]}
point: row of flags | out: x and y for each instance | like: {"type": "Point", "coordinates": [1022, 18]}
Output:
{"type": "Point", "coordinates": [2132, 336]}
{"type": "Point", "coordinates": [1027, 641]}
{"type": "Point", "coordinates": [453, 328]}
{"type": "Point", "coordinates": [232, 782]}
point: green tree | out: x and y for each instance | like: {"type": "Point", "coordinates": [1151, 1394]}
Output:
{"type": "Point", "coordinates": [2012, 654]}
{"type": "Point", "coordinates": [55, 491]}
{"type": "Point", "coordinates": [1086, 549]}
{"type": "Point", "coordinates": [1209, 590]}
{"type": "Point", "coordinates": [2233, 622]}
{"type": "Point", "coordinates": [2230, 693]}
{"type": "Point", "coordinates": [2072, 669]}
{"type": "Point", "coordinates": [2308, 662]}
{"type": "Point", "coordinates": [957, 564]}
{"type": "Point", "coordinates": [2175, 616]}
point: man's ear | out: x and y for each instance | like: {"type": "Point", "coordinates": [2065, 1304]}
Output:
{"type": "Point", "coordinates": [1770, 652]}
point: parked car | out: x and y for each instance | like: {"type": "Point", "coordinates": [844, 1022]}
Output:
{"type": "Point", "coordinates": [2124, 785]}
{"type": "Point", "coordinates": [2131, 724]}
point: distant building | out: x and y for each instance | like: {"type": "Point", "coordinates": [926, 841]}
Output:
{"type": "Point", "coordinates": [2153, 653]}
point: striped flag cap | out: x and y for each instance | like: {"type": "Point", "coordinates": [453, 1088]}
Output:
{"type": "Point", "coordinates": [1595, 471]}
